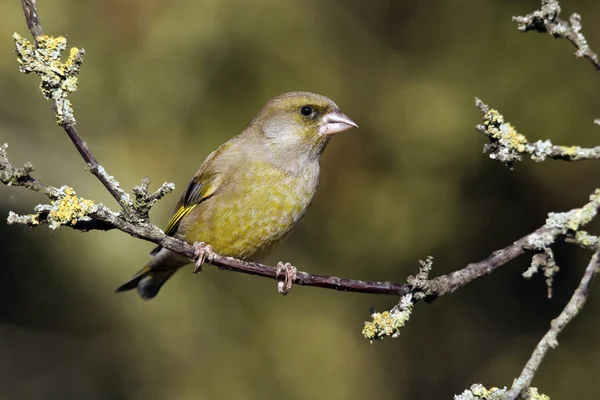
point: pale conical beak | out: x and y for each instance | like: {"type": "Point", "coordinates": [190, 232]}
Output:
{"type": "Point", "coordinates": [335, 122]}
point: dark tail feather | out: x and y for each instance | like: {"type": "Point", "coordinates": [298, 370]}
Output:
{"type": "Point", "coordinates": [147, 281]}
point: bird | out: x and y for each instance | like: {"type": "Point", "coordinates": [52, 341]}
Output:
{"type": "Point", "coordinates": [251, 192]}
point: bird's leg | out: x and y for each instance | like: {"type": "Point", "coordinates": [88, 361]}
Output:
{"type": "Point", "coordinates": [204, 253]}
{"type": "Point", "coordinates": [285, 276]}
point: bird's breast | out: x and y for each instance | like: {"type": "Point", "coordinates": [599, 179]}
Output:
{"type": "Point", "coordinates": [255, 210]}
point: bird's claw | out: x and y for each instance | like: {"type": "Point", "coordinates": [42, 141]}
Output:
{"type": "Point", "coordinates": [204, 254]}
{"type": "Point", "coordinates": [285, 276]}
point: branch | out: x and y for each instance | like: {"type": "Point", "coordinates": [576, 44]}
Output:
{"type": "Point", "coordinates": [522, 383]}
{"type": "Point", "coordinates": [145, 201]}
{"type": "Point", "coordinates": [58, 80]}
{"type": "Point", "coordinates": [547, 20]}
{"type": "Point", "coordinates": [508, 146]}
{"type": "Point", "coordinates": [69, 210]}
{"type": "Point", "coordinates": [81, 214]}
{"type": "Point", "coordinates": [480, 392]}
{"type": "Point", "coordinates": [13, 176]}
{"type": "Point", "coordinates": [32, 18]}
{"type": "Point", "coordinates": [66, 209]}
{"type": "Point", "coordinates": [567, 224]}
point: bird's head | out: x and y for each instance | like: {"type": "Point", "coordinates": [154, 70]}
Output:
{"type": "Point", "coordinates": [300, 123]}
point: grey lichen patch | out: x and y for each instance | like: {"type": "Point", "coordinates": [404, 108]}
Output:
{"type": "Point", "coordinates": [539, 20]}
{"type": "Point", "coordinates": [389, 323]}
{"type": "Point", "coordinates": [542, 150]}
{"type": "Point", "coordinates": [568, 223]}
{"type": "Point", "coordinates": [145, 201]}
{"type": "Point", "coordinates": [124, 198]}
{"type": "Point", "coordinates": [29, 220]}
{"type": "Point", "coordinates": [58, 78]}
{"type": "Point", "coordinates": [479, 392]}
{"type": "Point", "coordinates": [540, 241]}
{"type": "Point", "coordinates": [573, 220]}
{"type": "Point", "coordinates": [9, 174]}
{"type": "Point", "coordinates": [420, 283]}
{"type": "Point", "coordinates": [545, 262]}
{"type": "Point", "coordinates": [546, 19]}
{"type": "Point", "coordinates": [68, 209]}
{"type": "Point", "coordinates": [509, 146]}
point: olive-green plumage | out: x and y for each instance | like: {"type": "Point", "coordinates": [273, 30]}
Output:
{"type": "Point", "coordinates": [251, 192]}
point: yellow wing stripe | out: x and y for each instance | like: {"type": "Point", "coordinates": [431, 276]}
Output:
{"type": "Point", "coordinates": [205, 191]}
{"type": "Point", "coordinates": [174, 222]}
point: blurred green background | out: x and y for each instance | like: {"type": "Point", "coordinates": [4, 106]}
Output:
{"type": "Point", "coordinates": [164, 83]}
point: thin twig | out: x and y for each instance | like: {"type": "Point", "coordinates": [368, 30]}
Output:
{"type": "Point", "coordinates": [556, 327]}
{"type": "Point", "coordinates": [67, 122]}
{"type": "Point", "coordinates": [151, 233]}
{"type": "Point", "coordinates": [95, 168]}
{"type": "Point", "coordinates": [508, 146]}
{"type": "Point", "coordinates": [449, 283]}
{"type": "Point", "coordinates": [547, 20]}
{"type": "Point", "coordinates": [32, 18]}
{"type": "Point", "coordinates": [97, 215]}
{"type": "Point", "coordinates": [100, 217]}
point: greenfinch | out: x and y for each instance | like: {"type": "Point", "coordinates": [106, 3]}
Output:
{"type": "Point", "coordinates": [250, 193]}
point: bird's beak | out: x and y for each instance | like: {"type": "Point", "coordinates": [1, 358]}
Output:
{"type": "Point", "coordinates": [335, 122]}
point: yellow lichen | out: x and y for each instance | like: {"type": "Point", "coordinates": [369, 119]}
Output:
{"type": "Point", "coordinates": [493, 117]}
{"type": "Point", "coordinates": [570, 151]}
{"type": "Point", "coordinates": [389, 323]}
{"type": "Point", "coordinates": [50, 48]}
{"type": "Point", "coordinates": [533, 394]}
{"type": "Point", "coordinates": [586, 240]}
{"type": "Point", "coordinates": [58, 78]}
{"type": "Point", "coordinates": [72, 54]}
{"type": "Point", "coordinates": [479, 392]}
{"type": "Point", "coordinates": [69, 208]}
{"type": "Point", "coordinates": [513, 138]}
{"type": "Point", "coordinates": [505, 132]}
{"type": "Point", "coordinates": [574, 220]}
{"type": "Point", "coordinates": [483, 393]}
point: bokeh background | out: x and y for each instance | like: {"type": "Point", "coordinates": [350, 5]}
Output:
{"type": "Point", "coordinates": [164, 83]}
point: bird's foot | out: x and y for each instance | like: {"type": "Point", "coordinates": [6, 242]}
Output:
{"type": "Point", "coordinates": [285, 276]}
{"type": "Point", "coordinates": [204, 254]}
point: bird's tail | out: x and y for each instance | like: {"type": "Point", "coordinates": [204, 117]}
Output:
{"type": "Point", "coordinates": [148, 280]}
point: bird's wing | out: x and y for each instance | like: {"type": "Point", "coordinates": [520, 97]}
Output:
{"type": "Point", "coordinates": [203, 185]}
{"type": "Point", "coordinates": [198, 190]}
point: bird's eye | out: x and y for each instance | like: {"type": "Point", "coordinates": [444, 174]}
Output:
{"type": "Point", "coordinates": [306, 110]}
